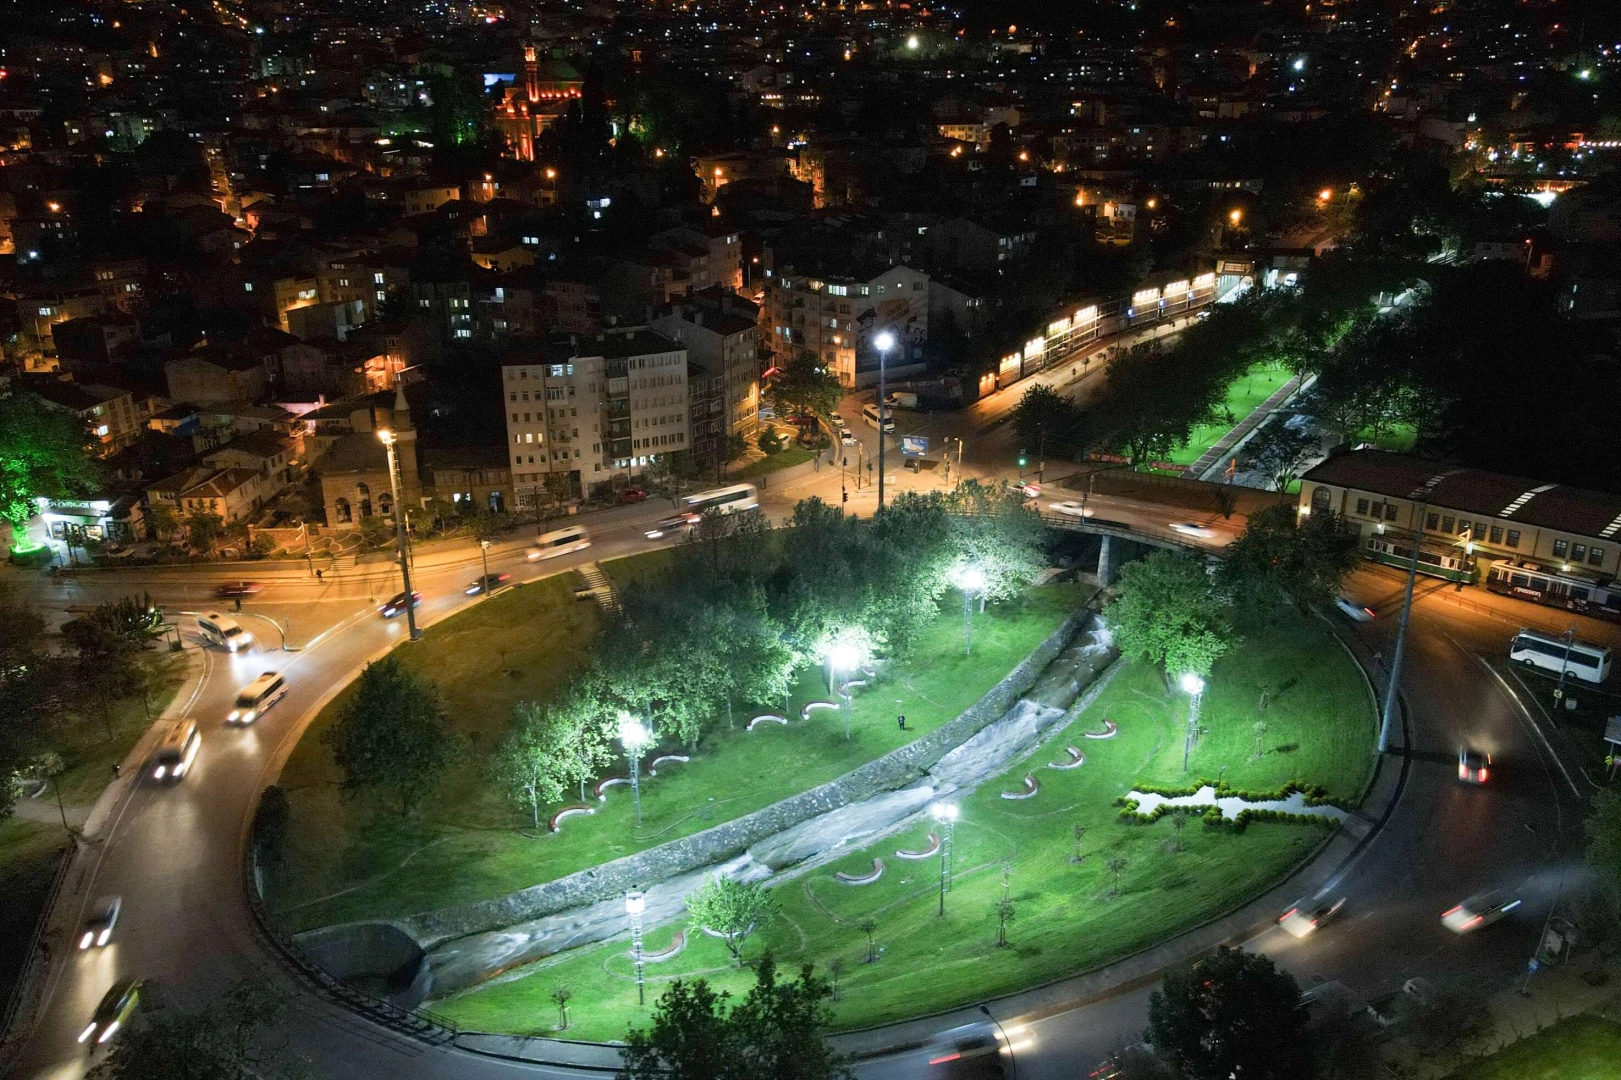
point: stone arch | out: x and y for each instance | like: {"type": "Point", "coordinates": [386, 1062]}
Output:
{"type": "Point", "coordinates": [344, 514]}
{"type": "Point", "coordinates": [363, 497]}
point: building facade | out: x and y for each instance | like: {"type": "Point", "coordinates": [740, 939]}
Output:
{"type": "Point", "coordinates": [838, 319]}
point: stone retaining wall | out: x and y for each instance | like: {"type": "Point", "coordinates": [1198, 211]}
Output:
{"type": "Point", "coordinates": [725, 841]}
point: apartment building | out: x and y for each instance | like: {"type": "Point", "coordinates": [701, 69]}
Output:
{"type": "Point", "coordinates": [839, 317]}
{"type": "Point", "coordinates": [721, 332]}
{"type": "Point", "coordinates": [583, 410]}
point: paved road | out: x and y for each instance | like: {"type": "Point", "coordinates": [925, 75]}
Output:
{"type": "Point", "coordinates": [172, 852]}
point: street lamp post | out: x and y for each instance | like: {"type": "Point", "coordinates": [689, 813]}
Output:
{"type": "Point", "coordinates": [635, 904]}
{"type": "Point", "coordinates": [1195, 689]}
{"type": "Point", "coordinates": [946, 814]}
{"type": "Point", "coordinates": [484, 553]}
{"type": "Point", "coordinates": [389, 439]}
{"type": "Point", "coordinates": [634, 737]}
{"type": "Point", "coordinates": [846, 655]}
{"type": "Point", "coordinates": [971, 580]}
{"type": "Point", "coordinates": [1387, 716]}
{"type": "Point", "coordinates": [884, 342]}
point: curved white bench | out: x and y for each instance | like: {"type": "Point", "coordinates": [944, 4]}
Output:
{"type": "Point", "coordinates": [862, 879]}
{"type": "Point", "coordinates": [1076, 759]}
{"type": "Point", "coordinates": [1108, 732]}
{"type": "Point", "coordinates": [1031, 787]}
{"type": "Point", "coordinates": [674, 950]}
{"type": "Point", "coordinates": [567, 812]}
{"type": "Point", "coordinates": [933, 848]}
{"type": "Point", "coordinates": [771, 718]}
{"type": "Point", "coordinates": [804, 713]}
{"type": "Point", "coordinates": [679, 759]}
{"type": "Point", "coordinates": [601, 790]}
{"type": "Point", "coordinates": [851, 685]}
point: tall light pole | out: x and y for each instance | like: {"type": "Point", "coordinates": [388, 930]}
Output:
{"type": "Point", "coordinates": [848, 655]}
{"type": "Point", "coordinates": [883, 342]}
{"type": "Point", "coordinates": [1387, 716]}
{"type": "Point", "coordinates": [946, 814]}
{"type": "Point", "coordinates": [635, 904]}
{"type": "Point", "coordinates": [484, 553]}
{"type": "Point", "coordinates": [634, 737]}
{"type": "Point", "coordinates": [389, 439]}
{"type": "Point", "coordinates": [971, 580]}
{"type": "Point", "coordinates": [1195, 690]}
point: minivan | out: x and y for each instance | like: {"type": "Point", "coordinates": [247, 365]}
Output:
{"type": "Point", "coordinates": [256, 697]}
{"type": "Point", "coordinates": [177, 751]}
{"type": "Point", "coordinates": [560, 542]}
{"type": "Point", "coordinates": [224, 631]}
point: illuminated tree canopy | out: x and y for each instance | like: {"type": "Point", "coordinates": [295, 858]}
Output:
{"type": "Point", "coordinates": [44, 453]}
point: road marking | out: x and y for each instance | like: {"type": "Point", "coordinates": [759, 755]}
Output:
{"type": "Point", "coordinates": [1526, 714]}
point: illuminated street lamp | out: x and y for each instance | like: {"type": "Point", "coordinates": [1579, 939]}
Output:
{"type": "Point", "coordinates": [844, 654]}
{"type": "Point", "coordinates": [971, 580]}
{"type": "Point", "coordinates": [635, 738]}
{"type": "Point", "coordinates": [389, 439]}
{"type": "Point", "coordinates": [635, 904]}
{"type": "Point", "coordinates": [1235, 216]}
{"type": "Point", "coordinates": [1194, 686]}
{"type": "Point", "coordinates": [946, 814]}
{"type": "Point", "coordinates": [883, 343]}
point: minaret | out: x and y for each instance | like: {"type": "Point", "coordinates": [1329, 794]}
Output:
{"type": "Point", "coordinates": [531, 73]}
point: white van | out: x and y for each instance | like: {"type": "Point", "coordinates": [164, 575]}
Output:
{"type": "Point", "coordinates": [256, 697]}
{"type": "Point", "coordinates": [177, 751]}
{"type": "Point", "coordinates": [224, 631]}
{"type": "Point", "coordinates": [560, 542]}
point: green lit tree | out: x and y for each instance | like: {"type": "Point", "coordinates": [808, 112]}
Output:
{"type": "Point", "coordinates": [1283, 556]}
{"type": "Point", "coordinates": [805, 386]}
{"type": "Point", "coordinates": [1169, 613]}
{"type": "Point", "coordinates": [734, 909]}
{"type": "Point", "coordinates": [391, 734]}
{"type": "Point", "coordinates": [44, 454]}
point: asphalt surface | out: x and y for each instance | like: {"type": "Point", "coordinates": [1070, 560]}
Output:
{"type": "Point", "coordinates": [173, 852]}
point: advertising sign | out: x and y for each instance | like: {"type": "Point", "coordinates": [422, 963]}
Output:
{"type": "Point", "coordinates": [914, 445]}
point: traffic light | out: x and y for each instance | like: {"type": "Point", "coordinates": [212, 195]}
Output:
{"type": "Point", "coordinates": [1024, 458]}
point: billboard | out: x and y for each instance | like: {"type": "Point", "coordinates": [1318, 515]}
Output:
{"type": "Point", "coordinates": [914, 445]}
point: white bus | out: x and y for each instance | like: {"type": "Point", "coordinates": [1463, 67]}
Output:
{"type": "Point", "coordinates": [870, 414]}
{"type": "Point", "coordinates": [726, 500]}
{"type": "Point", "coordinates": [1589, 663]}
{"type": "Point", "coordinates": [256, 697]}
{"type": "Point", "coordinates": [560, 542]}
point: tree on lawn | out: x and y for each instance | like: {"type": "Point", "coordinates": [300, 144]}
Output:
{"type": "Point", "coordinates": [805, 386]}
{"type": "Point", "coordinates": [1282, 556]}
{"type": "Point", "coordinates": [775, 1031]}
{"type": "Point", "coordinates": [203, 529]}
{"type": "Point", "coordinates": [44, 453]}
{"type": "Point", "coordinates": [392, 734]}
{"type": "Point", "coordinates": [1281, 452]}
{"type": "Point", "coordinates": [1044, 412]}
{"type": "Point", "coordinates": [1169, 613]}
{"type": "Point", "coordinates": [220, 1041]}
{"type": "Point", "coordinates": [734, 909]}
{"type": "Point", "coordinates": [547, 750]}
{"type": "Point", "coordinates": [1231, 1014]}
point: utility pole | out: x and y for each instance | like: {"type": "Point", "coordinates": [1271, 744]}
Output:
{"type": "Point", "coordinates": [1392, 689]}
{"type": "Point", "coordinates": [884, 341]}
{"type": "Point", "coordinates": [389, 438]}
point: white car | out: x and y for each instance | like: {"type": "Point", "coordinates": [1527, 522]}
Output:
{"type": "Point", "coordinates": [1028, 488]}
{"type": "Point", "coordinates": [1192, 528]}
{"type": "Point", "coordinates": [1353, 610]}
{"type": "Point", "coordinates": [1304, 918]}
{"type": "Point", "coordinates": [1477, 911]}
{"type": "Point", "coordinates": [847, 437]}
{"type": "Point", "coordinates": [1069, 509]}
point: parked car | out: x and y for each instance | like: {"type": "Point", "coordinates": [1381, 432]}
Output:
{"type": "Point", "coordinates": [121, 999]}
{"type": "Point", "coordinates": [632, 495]}
{"type": "Point", "coordinates": [487, 583]}
{"type": "Point", "coordinates": [1305, 917]}
{"type": "Point", "coordinates": [1480, 910]}
{"type": "Point", "coordinates": [396, 604]}
{"type": "Point", "coordinates": [98, 927]}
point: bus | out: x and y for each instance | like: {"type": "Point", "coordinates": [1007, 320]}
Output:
{"type": "Point", "coordinates": [1528, 581]}
{"type": "Point", "coordinates": [177, 751]}
{"type": "Point", "coordinates": [1397, 551]}
{"type": "Point", "coordinates": [559, 542]}
{"type": "Point", "coordinates": [1550, 653]}
{"type": "Point", "coordinates": [726, 500]}
{"type": "Point", "coordinates": [870, 414]}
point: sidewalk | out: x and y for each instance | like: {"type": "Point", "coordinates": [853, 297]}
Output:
{"type": "Point", "coordinates": [1213, 456]}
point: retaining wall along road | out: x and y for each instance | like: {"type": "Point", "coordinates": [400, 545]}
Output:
{"type": "Point", "coordinates": [733, 838]}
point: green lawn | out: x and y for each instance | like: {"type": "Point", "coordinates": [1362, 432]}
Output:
{"type": "Point", "coordinates": [1580, 1048]}
{"type": "Point", "coordinates": [29, 851]}
{"type": "Point", "coordinates": [1320, 729]}
{"type": "Point", "coordinates": [782, 459]}
{"type": "Point", "coordinates": [1246, 394]}
{"type": "Point", "coordinates": [356, 859]}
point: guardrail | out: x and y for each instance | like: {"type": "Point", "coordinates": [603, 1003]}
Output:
{"type": "Point", "coordinates": [1104, 527]}
{"type": "Point", "coordinates": [420, 1024]}
{"type": "Point", "coordinates": [25, 977]}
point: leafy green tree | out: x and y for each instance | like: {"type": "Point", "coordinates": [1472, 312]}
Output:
{"type": "Point", "coordinates": [391, 734]}
{"type": "Point", "coordinates": [775, 1031]}
{"type": "Point", "coordinates": [161, 520]}
{"type": "Point", "coordinates": [1044, 412]}
{"type": "Point", "coordinates": [203, 529]}
{"type": "Point", "coordinates": [1000, 537]}
{"type": "Point", "coordinates": [375, 531]}
{"type": "Point", "coordinates": [220, 1041]}
{"type": "Point", "coordinates": [805, 386]}
{"type": "Point", "coordinates": [769, 442]}
{"type": "Point", "coordinates": [1168, 613]}
{"type": "Point", "coordinates": [44, 453]}
{"type": "Point", "coordinates": [545, 750]}
{"type": "Point", "coordinates": [1230, 1014]}
{"type": "Point", "coordinates": [735, 909]}
{"type": "Point", "coordinates": [1282, 555]}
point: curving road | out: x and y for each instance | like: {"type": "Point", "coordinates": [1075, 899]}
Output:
{"type": "Point", "coordinates": [173, 852]}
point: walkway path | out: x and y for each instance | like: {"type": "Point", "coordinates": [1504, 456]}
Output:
{"type": "Point", "coordinates": [1213, 456]}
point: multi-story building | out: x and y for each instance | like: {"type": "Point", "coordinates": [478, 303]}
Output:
{"type": "Point", "coordinates": [549, 88]}
{"type": "Point", "coordinates": [721, 332]}
{"type": "Point", "coordinates": [838, 317]}
{"type": "Point", "coordinates": [584, 410]}
{"type": "Point", "coordinates": [108, 412]}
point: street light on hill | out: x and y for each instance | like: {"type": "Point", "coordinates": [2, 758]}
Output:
{"type": "Point", "coordinates": [971, 580]}
{"type": "Point", "coordinates": [635, 905]}
{"type": "Point", "coordinates": [1194, 686]}
{"type": "Point", "coordinates": [388, 439]}
{"type": "Point", "coordinates": [843, 654]}
{"type": "Point", "coordinates": [946, 814]}
{"type": "Point", "coordinates": [883, 343]}
{"type": "Point", "coordinates": [635, 738]}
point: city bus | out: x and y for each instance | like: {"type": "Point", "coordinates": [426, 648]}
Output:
{"type": "Point", "coordinates": [1527, 581]}
{"type": "Point", "coordinates": [1551, 653]}
{"type": "Point", "coordinates": [726, 500]}
{"type": "Point", "coordinates": [1397, 551]}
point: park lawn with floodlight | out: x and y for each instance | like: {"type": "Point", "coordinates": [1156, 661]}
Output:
{"type": "Point", "coordinates": [1320, 729]}
{"type": "Point", "coordinates": [1245, 394]}
{"type": "Point", "coordinates": [356, 858]}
